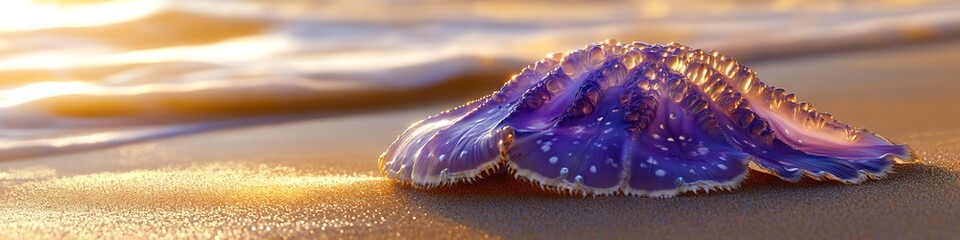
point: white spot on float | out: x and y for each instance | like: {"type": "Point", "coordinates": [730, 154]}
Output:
{"type": "Point", "coordinates": [682, 137]}
{"type": "Point", "coordinates": [607, 123]}
{"type": "Point", "coordinates": [673, 116]}
{"type": "Point", "coordinates": [553, 159]}
{"type": "Point", "coordinates": [546, 146]}
{"type": "Point", "coordinates": [703, 150]}
{"type": "Point", "coordinates": [662, 127]}
{"type": "Point", "coordinates": [651, 160]}
{"type": "Point", "coordinates": [656, 136]}
{"type": "Point", "coordinates": [593, 169]}
{"type": "Point", "coordinates": [721, 166]}
{"type": "Point", "coordinates": [608, 130]}
{"type": "Point", "coordinates": [664, 148]}
{"type": "Point", "coordinates": [660, 173]}
{"type": "Point", "coordinates": [611, 163]}
{"type": "Point", "coordinates": [442, 157]}
{"type": "Point", "coordinates": [692, 171]}
{"type": "Point", "coordinates": [463, 153]}
{"type": "Point", "coordinates": [670, 139]}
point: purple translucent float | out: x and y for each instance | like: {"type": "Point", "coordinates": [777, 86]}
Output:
{"type": "Point", "coordinates": [638, 119]}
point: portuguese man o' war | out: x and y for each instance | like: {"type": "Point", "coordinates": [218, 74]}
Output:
{"type": "Point", "coordinates": [638, 119]}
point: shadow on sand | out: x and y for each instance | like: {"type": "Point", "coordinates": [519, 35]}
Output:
{"type": "Point", "coordinates": [763, 207]}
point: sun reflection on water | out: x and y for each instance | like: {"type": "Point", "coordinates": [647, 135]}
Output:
{"type": "Point", "coordinates": [41, 90]}
{"type": "Point", "coordinates": [20, 15]}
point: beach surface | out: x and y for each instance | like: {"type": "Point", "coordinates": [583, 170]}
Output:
{"type": "Point", "coordinates": [319, 178]}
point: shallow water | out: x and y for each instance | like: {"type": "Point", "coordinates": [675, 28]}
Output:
{"type": "Point", "coordinates": [92, 74]}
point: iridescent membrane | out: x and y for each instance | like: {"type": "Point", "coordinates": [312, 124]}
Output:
{"type": "Point", "coordinates": [638, 119]}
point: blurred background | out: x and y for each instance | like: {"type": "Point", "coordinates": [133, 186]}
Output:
{"type": "Point", "coordinates": [84, 74]}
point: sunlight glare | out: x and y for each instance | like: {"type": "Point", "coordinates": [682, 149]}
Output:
{"type": "Point", "coordinates": [41, 90]}
{"type": "Point", "coordinates": [23, 15]}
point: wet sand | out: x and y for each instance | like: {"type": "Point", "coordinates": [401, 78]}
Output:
{"type": "Point", "coordinates": [318, 177]}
